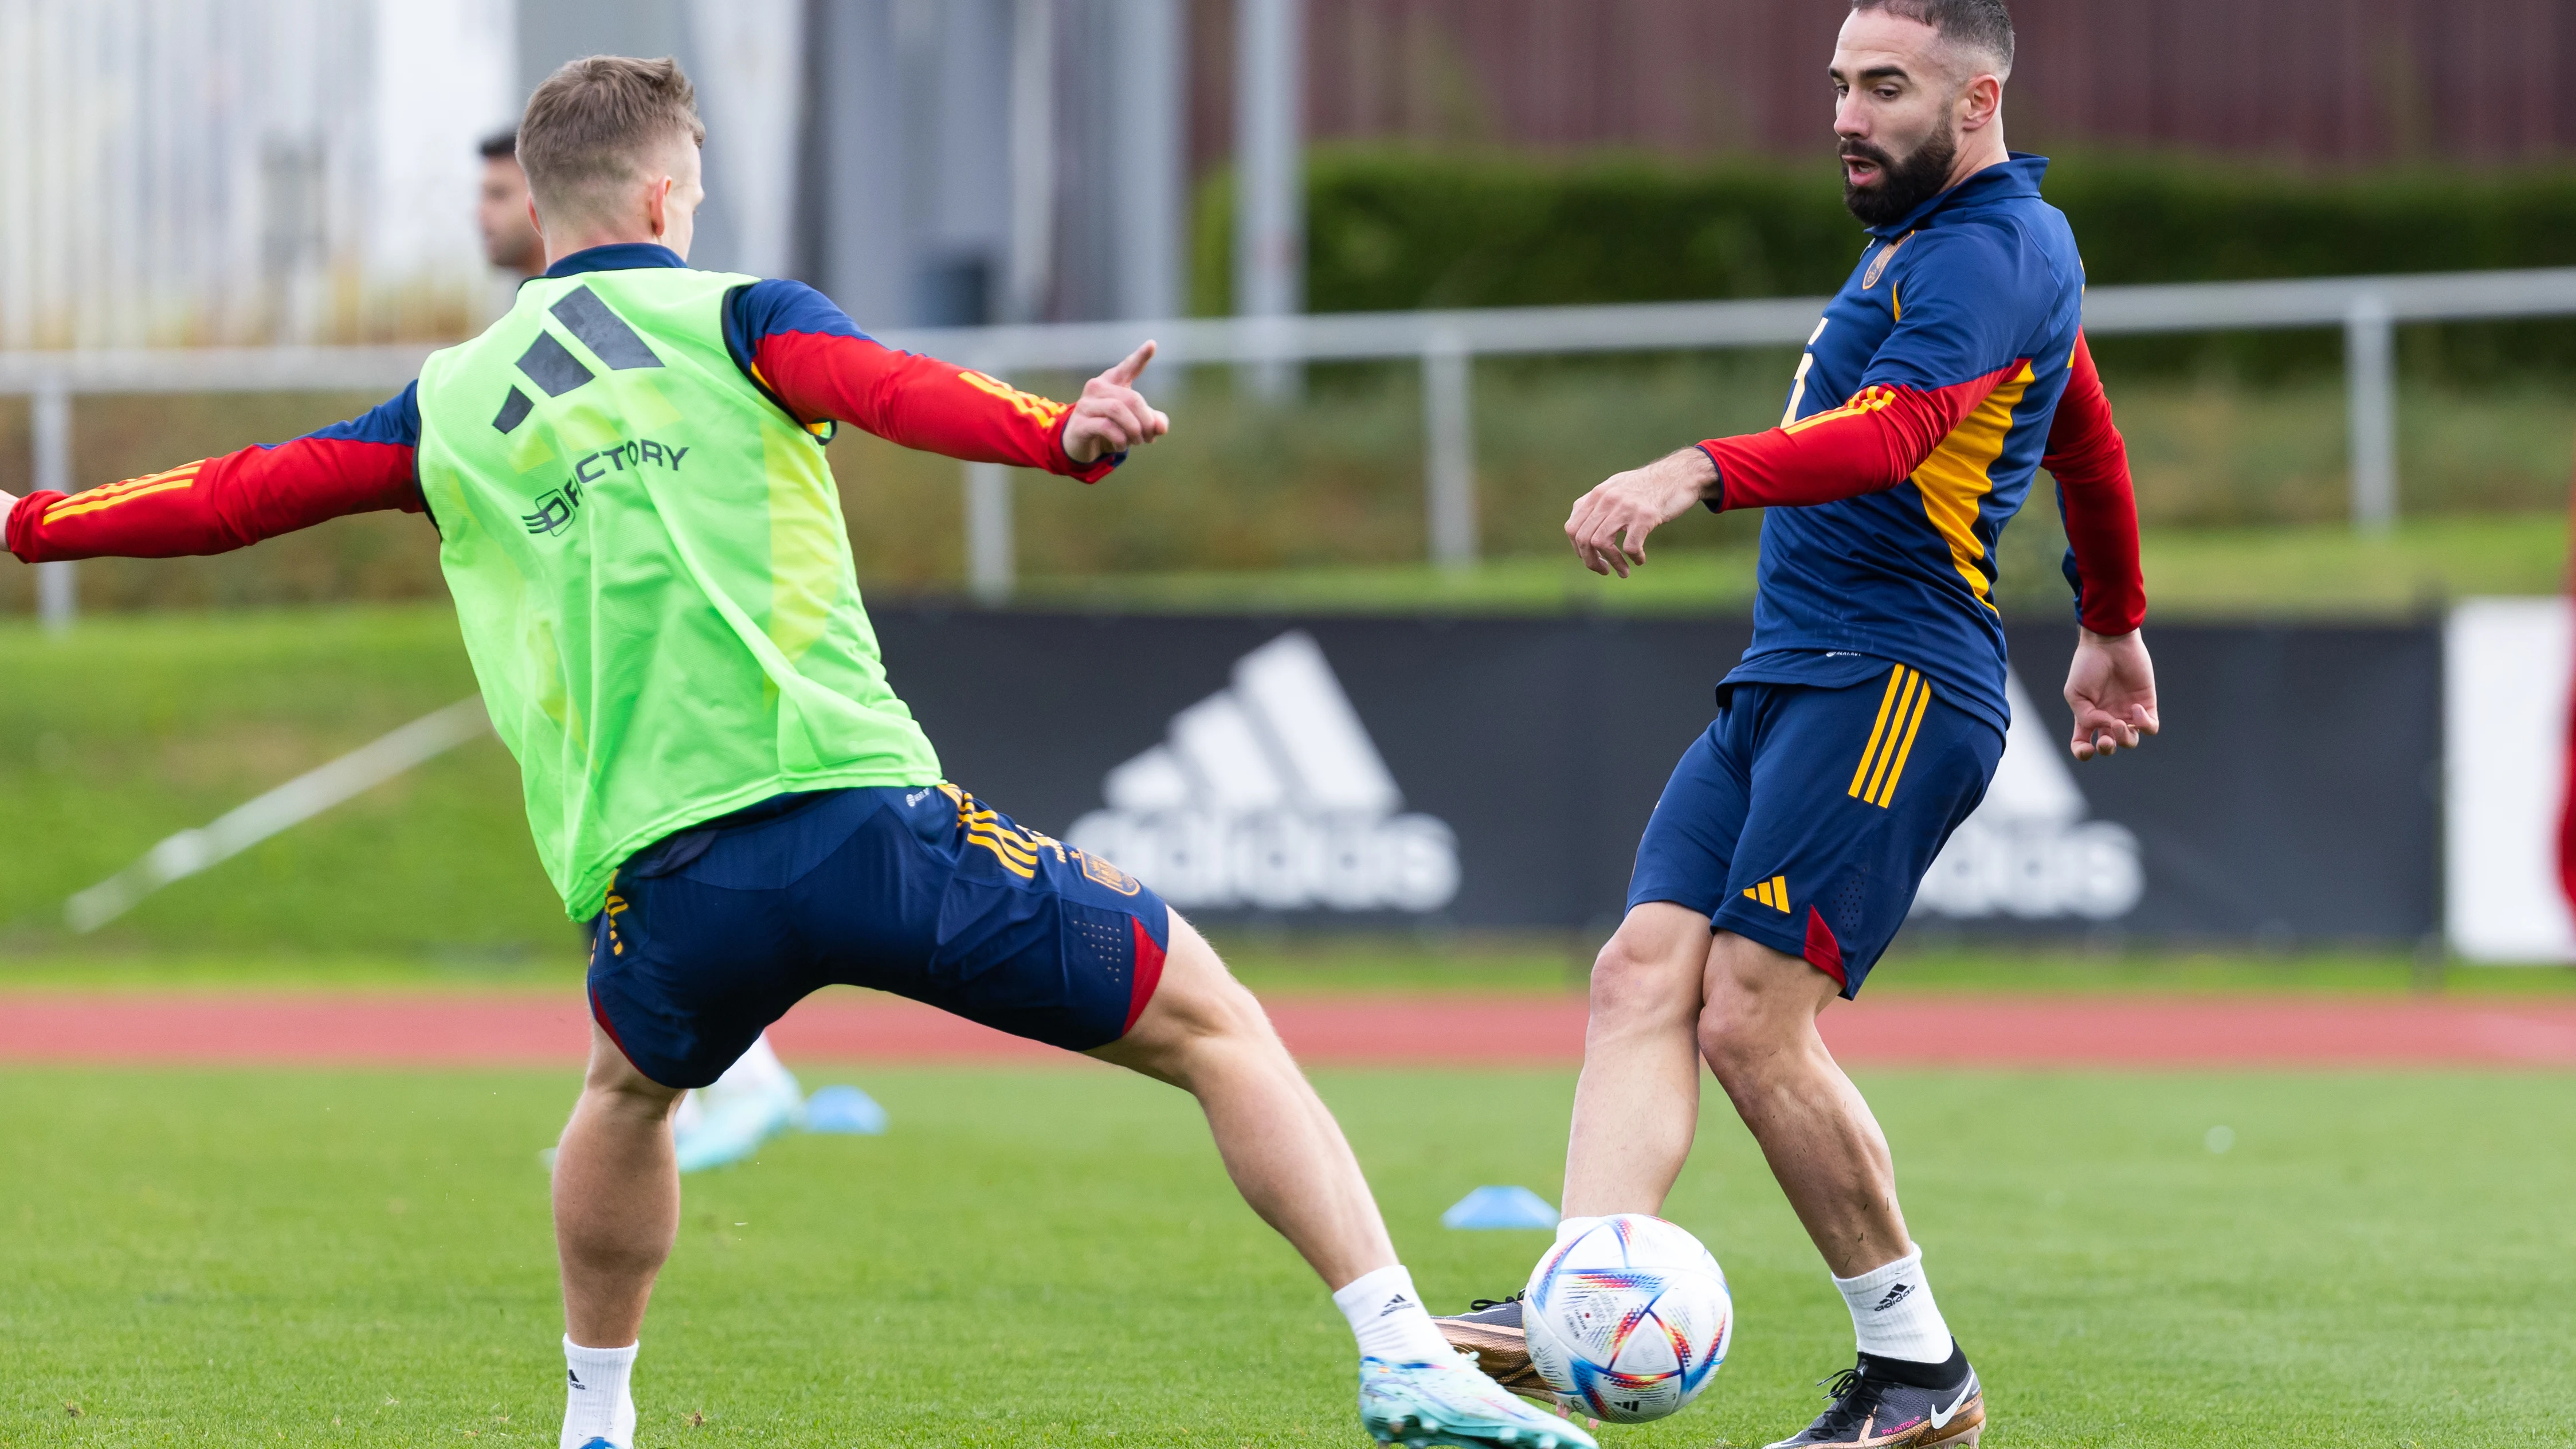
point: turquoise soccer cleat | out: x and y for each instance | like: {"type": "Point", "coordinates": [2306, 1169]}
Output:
{"type": "Point", "coordinates": [1418, 1404]}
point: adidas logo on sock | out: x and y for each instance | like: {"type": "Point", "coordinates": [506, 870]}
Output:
{"type": "Point", "coordinates": [576, 1380]}
{"type": "Point", "coordinates": [1270, 794]}
{"type": "Point", "coordinates": [1396, 1304]}
{"type": "Point", "coordinates": [1894, 1296]}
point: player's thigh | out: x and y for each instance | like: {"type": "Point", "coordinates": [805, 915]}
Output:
{"type": "Point", "coordinates": [1197, 1001]}
{"type": "Point", "coordinates": [688, 968]}
{"type": "Point", "coordinates": [1688, 850]}
{"type": "Point", "coordinates": [1758, 1000]}
{"type": "Point", "coordinates": [1854, 791]}
{"type": "Point", "coordinates": [610, 1072]}
{"type": "Point", "coordinates": [945, 900]}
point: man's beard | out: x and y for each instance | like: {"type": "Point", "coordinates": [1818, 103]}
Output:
{"type": "Point", "coordinates": [1902, 185]}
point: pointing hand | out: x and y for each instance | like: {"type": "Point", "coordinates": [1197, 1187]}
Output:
{"type": "Point", "coordinates": [1113, 416]}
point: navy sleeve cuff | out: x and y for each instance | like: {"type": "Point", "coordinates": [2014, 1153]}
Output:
{"type": "Point", "coordinates": [1715, 502]}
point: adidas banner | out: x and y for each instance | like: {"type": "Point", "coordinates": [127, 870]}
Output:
{"type": "Point", "coordinates": [1491, 773]}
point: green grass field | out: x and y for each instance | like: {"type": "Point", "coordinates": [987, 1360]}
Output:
{"type": "Point", "coordinates": [1052, 1257]}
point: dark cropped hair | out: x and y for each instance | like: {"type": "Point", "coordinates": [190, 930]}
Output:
{"type": "Point", "coordinates": [1980, 24]}
{"type": "Point", "coordinates": [498, 145]}
{"type": "Point", "coordinates": [596, 122]}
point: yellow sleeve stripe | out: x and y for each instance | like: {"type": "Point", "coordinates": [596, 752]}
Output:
{"type": "Point", "coordinates": [1922, 701]}
{"type": "Point", "coordinates": [1878, 731]}
{"type": "Point", "coordinates": [1868, 400]}
{"type": "Point", "coordinates": [94, 501]}
{"type": "Point", "coordinates": [1041, 411]}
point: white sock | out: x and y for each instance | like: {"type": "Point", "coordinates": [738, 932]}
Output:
{"type": "Point", "coordinates": [1567, 1228]}
{"type": "Point", "coordinates": [1388, 1318]}
{"type": "Point", "coordinates": [597, 1402]}
{"type": "Point", "coordinates": [1893, 1313]}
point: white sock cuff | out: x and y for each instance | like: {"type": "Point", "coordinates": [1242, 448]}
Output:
{"type": "Point", "coordinates": [1369, 1291]}
{"type": "Point", "coordinates": [598, 1402]}
{"type": "Point", "coordinates": [1893, 1315]}
{"type": "Point", "coordinates": [1883, 1275]}
{"type": "Point", "coordinates": [1387, 1317]}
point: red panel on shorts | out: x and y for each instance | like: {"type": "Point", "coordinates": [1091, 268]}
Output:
{"type": "Point", "coordinates": [1823, 951]}
{"type": "Point", "coordinates": [599, 1013]}
{"type": "Point", "coordinates": [1149, 974]}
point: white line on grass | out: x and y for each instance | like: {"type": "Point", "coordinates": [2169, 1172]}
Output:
{"type": "Point", "coordinates": [290, 804]}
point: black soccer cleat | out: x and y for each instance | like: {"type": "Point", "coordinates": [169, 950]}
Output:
{"type": "Point", "coordinates": [1892, 1403]}
{"type": "Point", "coordinates": [1491, 1331]}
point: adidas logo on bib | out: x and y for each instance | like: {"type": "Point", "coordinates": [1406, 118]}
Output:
{"type": "Point", "coordinates": [1270, 795]}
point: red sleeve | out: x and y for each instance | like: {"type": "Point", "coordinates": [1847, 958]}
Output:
{"type": "Point", "coordinates": [218, 504]}
{"type": "Point", "coordinates": [919, 402]}
{"type": "Point", "coordinates": [2091, 464]}
{"type": "Point", "coordinates": [1868, 445]}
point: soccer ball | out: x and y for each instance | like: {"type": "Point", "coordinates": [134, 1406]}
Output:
{"type": "Point", "coordinates": [1629, 1319]}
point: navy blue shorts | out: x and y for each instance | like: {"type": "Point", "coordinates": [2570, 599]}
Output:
{"type": "Point", "coordinates": [711, 935]}
{"type": "Point", "coordinates": [1805, 817]}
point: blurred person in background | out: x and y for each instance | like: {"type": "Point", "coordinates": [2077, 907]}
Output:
{"type": "Point", "coordinates": [510, 240]}
{"type": "Point", "coordinates": [757, 1098]}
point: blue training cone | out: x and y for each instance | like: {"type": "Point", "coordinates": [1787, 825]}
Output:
{"type": "Point", "coordinates": [1500, 1207]}
{"type": "Point", "coordinates": [847, 1109]}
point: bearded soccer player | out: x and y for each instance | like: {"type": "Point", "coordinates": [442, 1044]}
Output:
{"type": "Point", "coordinates": [655, 583]}
{"type": "Point", "coordinates": [1867, 718]}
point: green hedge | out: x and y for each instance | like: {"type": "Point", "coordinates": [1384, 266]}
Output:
{"type": "Point", "coordinates": [1392, 230]}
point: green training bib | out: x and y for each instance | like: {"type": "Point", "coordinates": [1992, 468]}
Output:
{"type": "Point", "coordinates": [652, 572]}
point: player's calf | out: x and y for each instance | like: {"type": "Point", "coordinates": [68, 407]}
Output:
{"type": "Point", "coordinates": [617, 1209]}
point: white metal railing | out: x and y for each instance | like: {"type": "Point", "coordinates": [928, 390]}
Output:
{"type": "Point", "coordinates": [1446, 345]}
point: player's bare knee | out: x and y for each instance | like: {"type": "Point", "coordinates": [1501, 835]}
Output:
{"type": "Point", "coordinates": [1636, 985]}
{"type": "Point", "coordinates": [1731, 1050]}
{"type": "Point", "coordinates": [1742, 1039]}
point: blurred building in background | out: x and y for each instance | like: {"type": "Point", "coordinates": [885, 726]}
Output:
{"type": "Point", "coordinates": [192, 172]}
{"type": "Point", "coordinates": [178, 172]}
{"type": "Point", "coordinates": [2345, 81]}
{"type": "Point", "coordinates": [181, 172]}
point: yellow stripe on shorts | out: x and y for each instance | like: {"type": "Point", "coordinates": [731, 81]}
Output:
{"type": "Point", "coordinates": [1922, 701]}
{"type": "Point", "coordinates": [1878, 731]}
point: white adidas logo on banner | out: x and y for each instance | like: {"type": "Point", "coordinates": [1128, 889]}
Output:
{"type": "Point", "coordinates": [1270, 795]}
{"type": "Point", "coordinates": [2029, 851]}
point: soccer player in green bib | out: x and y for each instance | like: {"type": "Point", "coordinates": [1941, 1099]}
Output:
{"type": "Point", "coordinates": [656, 586]}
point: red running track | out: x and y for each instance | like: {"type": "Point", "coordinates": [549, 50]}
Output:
{"type": "Point", "coordinates": [413, 1030]}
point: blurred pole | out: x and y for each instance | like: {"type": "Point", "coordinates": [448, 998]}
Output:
{"type": "Point", "coordinates": [50, 421]}
{"type": "Point", "coordinates": [1270, 177]}
{"type": "Point", "coordinates": [1031, 263]}
{"type": "Point", "coordinates": [991, 567]}
{"type": "Point", "coordinates": [2370, 372]}
{"type": "Point", "coordinates": [1448, 426]}
{"type": "Point", "coordinates": [1150, 158]}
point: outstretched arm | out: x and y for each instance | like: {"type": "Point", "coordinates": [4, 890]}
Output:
{"type": "Point", "coordinates": [1867, 445]}
{"type": "Point", "coordinates": [1951, 347]}
{"type": "Point", "coordinates": [2112, 682]}
{"type": "Point", "coordinates": [216, 505]}
{"type": "Point", "coordinates": [819, 366]}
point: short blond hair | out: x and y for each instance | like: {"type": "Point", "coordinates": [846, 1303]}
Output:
{"type": "Point", "coordinates": [595, 125]}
